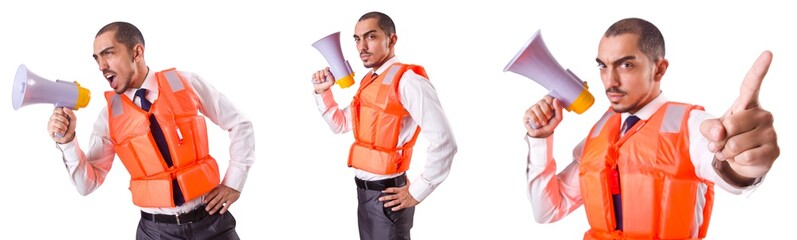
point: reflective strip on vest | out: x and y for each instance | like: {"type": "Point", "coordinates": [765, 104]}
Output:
{"type": "Point", "coordinates": [174, 80]}
{"type": "Point", "coordinates": [391, 73]}
{"type": "Point", "coordinates": [600, 123]}
{"type": "Point", "coordinates": [672, 119]}
{"type": "Point", "coordinates": [700, 204]}
{"type": "Point", "coordinates": [116, 105]}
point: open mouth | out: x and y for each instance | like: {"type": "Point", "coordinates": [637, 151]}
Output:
{"type": "Point", "coordinates": [110, 77]}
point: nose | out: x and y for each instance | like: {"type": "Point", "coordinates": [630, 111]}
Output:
{"type": "Point", "coordinates": [102, 64]}
{"type": "Point", "coordinates": [362, 46]}
{"type": "Point", "coordinates": [610, 78]}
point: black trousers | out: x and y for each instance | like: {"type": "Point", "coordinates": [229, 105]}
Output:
{"type": "Point", "coordinates": [379, 223]}
{"type": "Point", "coordinates": [216, 226]}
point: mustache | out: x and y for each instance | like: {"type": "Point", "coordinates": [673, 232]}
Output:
{"type": "Point", "coordinates": [615, 90]}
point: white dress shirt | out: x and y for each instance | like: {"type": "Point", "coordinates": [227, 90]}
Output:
{"type": "Point", "coordinates": [419, 98]}
{"type": "Point", "coordinates": [554, 196]}
{"type": "Point", "coordinates": [88, 170]}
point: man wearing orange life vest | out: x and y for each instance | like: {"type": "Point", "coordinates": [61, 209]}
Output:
{"type": "Point", "coordinates": [152, 123]}
{"type": "Point", "coordinates": [394, 104]}
{"type": "Point", "coordinates": [648, 167]}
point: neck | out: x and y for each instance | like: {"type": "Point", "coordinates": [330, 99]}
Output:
{"type": "Point", "coordinates": [389, 56]}
{"type": "Point", "coordinates": [138, 80]}
{"type": "Point", "coordinates": [645, 103]}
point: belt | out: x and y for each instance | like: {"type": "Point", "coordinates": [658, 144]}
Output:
{"type": "Point", "coordinates": [192, 216]}
{"type": "Point", "coordinates": [379, 185]}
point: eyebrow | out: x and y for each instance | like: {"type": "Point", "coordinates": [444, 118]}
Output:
{"type": "Point", "coordinates": [366, 33]}
{"type": "Point", "coordinates": [103, 51]}
{"type": "Point", "coordinates": [618, 61]}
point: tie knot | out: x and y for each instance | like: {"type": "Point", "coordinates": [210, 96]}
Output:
{"type": "Point", "coordinates": [142, 96]}
{"type": "Point", "coordinates": [374, 76]}
{"type": "Point", "coordinates": [630, 121]}
{"type": "Point", "coordinates": [141, 93]}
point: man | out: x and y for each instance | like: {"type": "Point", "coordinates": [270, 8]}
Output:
{"type": "Point", "coordinates": [648, 168]}
{"type": "Point", "coordinates": [394, 104]}
{"type": "Point", "coordinates": [152, 123]}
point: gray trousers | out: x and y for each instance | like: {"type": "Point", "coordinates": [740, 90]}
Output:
{"type": "Point", "coordinates": [216, 226]}
{"type": "Point", "coordinates": [379, 223]}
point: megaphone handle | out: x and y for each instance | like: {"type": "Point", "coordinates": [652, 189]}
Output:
{"type": "Point", "coordinates": [534, 126]}
{"type": "Point", "coordinates": [61, 135]}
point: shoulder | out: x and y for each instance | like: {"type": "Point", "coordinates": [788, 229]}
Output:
{"type": "Point", "coordinates": [414, 72]}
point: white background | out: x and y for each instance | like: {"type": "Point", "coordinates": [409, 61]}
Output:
{"type": "Point", "coordinates": [300, 188]}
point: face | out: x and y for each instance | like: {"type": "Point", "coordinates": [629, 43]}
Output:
{"type": "Point", "coordinates": [374, 46]}
{"type": "Point", "coordinates": [630, 78]}
{"type": "Point", "coordinates": [116, 62]}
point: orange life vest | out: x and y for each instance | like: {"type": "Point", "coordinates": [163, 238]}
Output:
{"type": "Point", "coordinates": [377, 115]}
{"type": "Point", "coordinates": [662, 197]}
{"type": "Point", "coordinates": [176, 110]}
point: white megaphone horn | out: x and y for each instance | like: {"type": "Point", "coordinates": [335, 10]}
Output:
{"type": "Point", "coordinates": [329, 46]}
{"type": "Point", "coordinates": [30, 88]}
{"type": "Point", "coordinates": [535, 62]}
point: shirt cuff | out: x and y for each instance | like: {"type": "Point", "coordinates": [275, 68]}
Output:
{"type": "Point", "coordinates": [538, 150]}
{"type": "Point", "coordinates": [420, 189]}
{"type": "Point", "coordinates": [722, 166]}
{"type": "Point", "coordinates": [324, 100]}
{"type": "Point", "coordinates": [235, 178]}
{"type": "Point", "coordinates": [68, 149]}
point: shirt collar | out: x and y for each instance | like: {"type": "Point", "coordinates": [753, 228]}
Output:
{"type": "Point", "coordinates": [149, 83]}
{"type": "Point", "coordinates": [386, 65]}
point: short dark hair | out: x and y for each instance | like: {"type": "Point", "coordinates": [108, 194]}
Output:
{"type": "Point", "coordinates": [385, 23]}
{"type": "Point", "coordinates": [126, 33]}
{"type": "Point", "coordinates": [650, 42]}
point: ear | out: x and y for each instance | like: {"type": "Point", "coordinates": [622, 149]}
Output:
{"type": "Point", "coordinates": [392, 40]}
{"type": "Point", "coordinates": [661, 68]}
{"type": "Point", "coordinates": [138, 53]}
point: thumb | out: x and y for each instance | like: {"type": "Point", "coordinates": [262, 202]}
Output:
{"type": "Point", "coordinates": [713, 129]}
{"type": "Point", "coordinates": [748, 94]}
{"type": "Point", "coordinates": [715, 132]}
{"type": "Point", "coordinates": [69, 113]}
{"type": "Point", "coordinates": [328, 76]}
{"type": "Point", "coordinates": [557, 106]}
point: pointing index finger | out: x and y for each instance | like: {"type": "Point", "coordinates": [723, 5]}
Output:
{"type": "Point", "coordinates": [748, 94]}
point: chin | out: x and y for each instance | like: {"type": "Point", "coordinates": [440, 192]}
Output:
{"type": "Point", "coordinates": [619, 108]}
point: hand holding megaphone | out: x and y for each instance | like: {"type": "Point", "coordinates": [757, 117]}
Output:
{"type": "Point", "coordinates": [62, 125]}
{"type": "Point", "coordinates": [322, 80]}
{"type": "Point", "coordinates": [542, 118]}
{"type": "Point", "coordinates": [30, 88]}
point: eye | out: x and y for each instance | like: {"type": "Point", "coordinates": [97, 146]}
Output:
{"type": "Point", "coordinates": [626, 65]}
{"type": "Point", "coordinates": [371, 36]}
{"type": "Point", "coordinates": [601, 66]}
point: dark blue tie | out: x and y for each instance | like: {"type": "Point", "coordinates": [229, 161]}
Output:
{"type": "Point", "coordinates": [630, 122]}
{"type": "Point", "coordinates": [618, 204]}
{"type": "Point", "coordinates": [160, 140]}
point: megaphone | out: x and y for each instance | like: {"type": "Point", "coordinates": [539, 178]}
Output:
{"type": "Point", "coordinates": [329, 46]}
{"type": "Point", "coordinates": [535, 62]}
{"type": "Point", "coordinates": [30, 88]}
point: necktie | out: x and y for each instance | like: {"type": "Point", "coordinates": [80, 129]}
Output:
{"type": "Point", "coordinates": [374, 76]}
{"type": "Point", "coordinates": [160, 140]}
{"type": "Point", "coordinates": [618, 205]}
{"type": "Point", "coordinates": [630, 121]}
